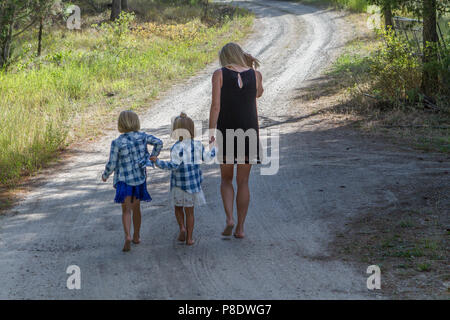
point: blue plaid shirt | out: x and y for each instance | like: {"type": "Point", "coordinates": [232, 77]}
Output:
{"type": "Point", "coordinates": [127, 152]}
{"type": "Point", "coordinates": [185, 159]}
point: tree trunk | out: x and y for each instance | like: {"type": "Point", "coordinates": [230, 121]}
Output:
{"type": "Point", "coordinates": [430, 39]}
{"type": "Point", "coordinates": [6, 29]}
{"type": "Point", "coordinates": [124, 4]}
{"type": "Point", "coordinates": [387, 13]}
{"type": "Point", "coordinates": [116, 8]}
{"type": "Point", "coordinates": [41, 27]}
{"type": "Point", "coordinates": [6, 46]}
{"type": "Point", "coordinates": [205, 8]}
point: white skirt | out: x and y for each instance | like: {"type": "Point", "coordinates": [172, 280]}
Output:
{"type": "Point", "coordinates": [181, 198]}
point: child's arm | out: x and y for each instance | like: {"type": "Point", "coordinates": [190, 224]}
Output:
{"type": "Point", "coordinates": [113, 157]}
{"type": "Point", "coordinates": [176, 158]}
{"type": "Point", "coordinates": [208, 156]}
{"type": "Point", "coordinates": [156, 143]}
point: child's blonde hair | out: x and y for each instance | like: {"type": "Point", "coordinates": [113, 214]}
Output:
{"type": "Point", "coordinates": [183, 127]}
{"type": "Point", "coordinates": [232, 53]}
{"type": "Point", "coordinates": [128, 121]}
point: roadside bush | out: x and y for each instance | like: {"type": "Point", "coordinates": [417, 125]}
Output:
{"type": "Point", "coordinates": [395, 70]}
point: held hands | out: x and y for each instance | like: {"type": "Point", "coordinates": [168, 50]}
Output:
{"type": "Point", "coordinates": [153, 158]}
{"type": "Point", "coordinates": [212, 139]}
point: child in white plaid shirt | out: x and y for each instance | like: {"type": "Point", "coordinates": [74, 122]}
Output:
{"type": "Point", "coordinates": [185, 182]}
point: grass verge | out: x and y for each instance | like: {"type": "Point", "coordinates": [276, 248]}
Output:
{"type": "Point", "coordinates": [410, 243]}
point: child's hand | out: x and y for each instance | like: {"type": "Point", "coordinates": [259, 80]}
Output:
{"type": "Point", "coordinates": [153, 158]}
{"type": "Point", "coordinates": [104, 179]}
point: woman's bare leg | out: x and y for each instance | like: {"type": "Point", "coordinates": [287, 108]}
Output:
{"type": "Point", "coordinates": [179, 214]}
{"type": "Point", "coordinates": [126, 221]}
{"type": "Point", "coordinates": [227, 191]}
{"type": "Point", "coordinates": [242, 197]}
{"type": "Point", "coordinates": [136, 221]}
{"type": "Point", "coordinates": [189, 224]}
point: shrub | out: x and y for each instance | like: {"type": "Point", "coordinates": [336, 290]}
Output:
{"type": "Point", "coordinates": [395, 70]}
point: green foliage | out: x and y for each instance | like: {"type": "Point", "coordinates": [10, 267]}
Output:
{"type": "Point", "coordinates": [353, 5]}
{"type": "Point", "coordinates": [395, 70]}
{"type": "Point", "coordinates": [116, 32]}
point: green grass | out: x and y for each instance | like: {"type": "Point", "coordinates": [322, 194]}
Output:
{"type": "Point", "coordinates": [424, 267]}
{"type": "Point", "coordinates": [352, 5]}
{"type": "Point", "coordinates": [83, 78]}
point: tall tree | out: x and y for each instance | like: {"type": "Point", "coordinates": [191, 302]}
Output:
{"type": "Point", "coordinates": [124, 4]}
{"type": "Point", "coordinates": [116, 8]}
{"type": "Point", "coordinates": [387, 13]}
{"type": "Point", "coordinates": [386, 8]}
{"type": "Point", "coordinates": [16, 16]}
{"type": "Point", "coordinates": [430, 42]}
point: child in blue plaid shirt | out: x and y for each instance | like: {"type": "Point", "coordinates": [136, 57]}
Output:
{"type": "Point", "coordinates": [130, 177]}
{"type": "Point", "coordinates": [186, 155]}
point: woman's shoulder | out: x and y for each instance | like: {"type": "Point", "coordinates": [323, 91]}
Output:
{"type": "Point", "coordinates": [217, 73]}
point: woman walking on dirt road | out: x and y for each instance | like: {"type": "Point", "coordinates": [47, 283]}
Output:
{"type": "Point", "coordinates": [235, 88]}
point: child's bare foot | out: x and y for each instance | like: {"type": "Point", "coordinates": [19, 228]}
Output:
{"type": "Point", "coordinates": [228, 229]}
{"type": "Point", "coordinates": [190, 242]}
{"type": "Point", "coordinates": [182, 236]}
{"type": "Point", "coordinates": [127, 245]}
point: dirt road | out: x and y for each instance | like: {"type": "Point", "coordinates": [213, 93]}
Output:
{"type": "Point", "coordinates": [325, 177]}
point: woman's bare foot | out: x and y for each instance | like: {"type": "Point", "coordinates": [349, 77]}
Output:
{"type": "Point", "coordinates": [190, 242]}
{"type": "Point", "coordinates": [127, 245]}
{"type": "Point", "coordinates": [136, 239]}
{"type": "Point", "coordinates": [182, 236]}
{"type": "Point", "coordinates": [239, 235]}
{"type": "Point", "coordinates": [228, 229]}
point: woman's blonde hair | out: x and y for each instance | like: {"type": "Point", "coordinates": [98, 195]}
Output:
{"type": "Point", "coordinates": [183, 127]}
{"type": "Point", "coordinates": [128, 121]}
{"type": "Point", "coordinates": [232, 53]}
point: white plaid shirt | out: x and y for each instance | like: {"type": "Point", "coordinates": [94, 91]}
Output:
{"type": "Point", "coordinates": [127, 152]}
{"type": "Point", "coordinates": [185, 159]}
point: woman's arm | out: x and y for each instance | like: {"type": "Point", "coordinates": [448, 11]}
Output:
{"type": "Point", "coordinates": [259, 85]}
{"type": "Point", "coordinates": [215, 102]}
{"type": "Point", "coordinates": [208, 156]}
{"type": "Point", "coordinates": [111, 165]}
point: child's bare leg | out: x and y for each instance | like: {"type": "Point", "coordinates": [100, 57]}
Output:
{"type": "Point", "coordinates": [189, 224]}
{"type": "Point", "coordinates": [136, 220]}
{"type": "Point", "coordinates": [179, 214]}
{"type": "Point", "coordinates": [126, 221]}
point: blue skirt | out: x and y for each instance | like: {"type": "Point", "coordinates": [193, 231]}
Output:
{"type": "Point", "coordinates": [124, 190]}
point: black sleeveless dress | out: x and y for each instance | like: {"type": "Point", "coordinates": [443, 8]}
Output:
{"type": "Point", "coordinates": [238, 111]}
